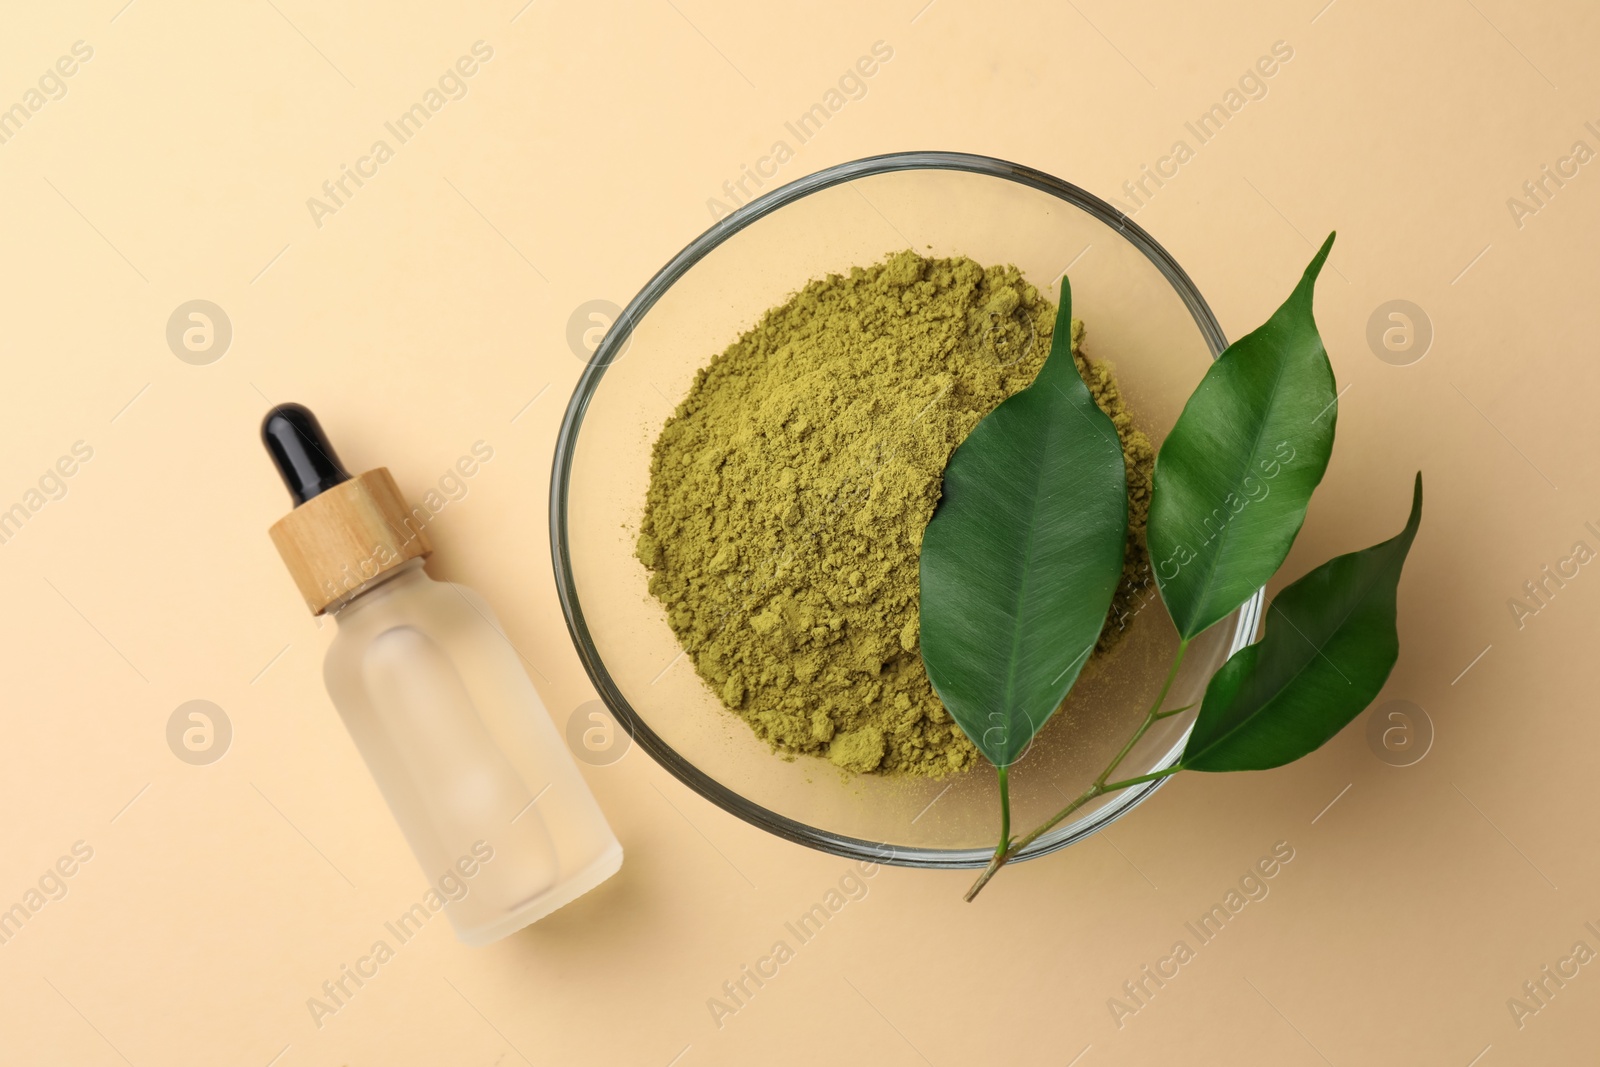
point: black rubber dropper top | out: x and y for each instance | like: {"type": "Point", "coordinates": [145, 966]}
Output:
{"type": "Point", "coordinates": [301, 452]}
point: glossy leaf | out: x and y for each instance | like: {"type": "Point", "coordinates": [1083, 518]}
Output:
{"type": "Point", "coordinates": [1022, 555]}
{"type": "Point", "coordinates": [1329, 645]}
{"type": "Point", "coordinates": [1234, 476]}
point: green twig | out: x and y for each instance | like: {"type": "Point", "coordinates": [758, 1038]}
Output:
{"type": "Point", "coordinates": [1006, 852]}
{"type": "Point", "coordinates": [1151, 716]}
{"type": "Point", "coordinates": [1152, 776]}
{"type": "Point", "coordinates": [1005, 813]}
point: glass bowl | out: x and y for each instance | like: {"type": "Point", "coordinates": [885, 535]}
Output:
{"type": "Point", "coordinates": [1142, 313]}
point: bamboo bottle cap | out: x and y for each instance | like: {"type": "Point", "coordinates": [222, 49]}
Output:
{"type": "Point", "coordinates": [345, 531]}
{"type": "Point", "coordinates": [346, 536]}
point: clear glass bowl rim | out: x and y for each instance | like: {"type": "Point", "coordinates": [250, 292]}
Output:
{"type": "Point", "coordinates": [615, 341]}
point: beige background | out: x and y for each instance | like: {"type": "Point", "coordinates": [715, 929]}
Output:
{"type": "Point", "coordinates": [433, 306]}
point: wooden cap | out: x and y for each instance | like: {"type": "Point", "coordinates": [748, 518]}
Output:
{"type": "Point", "coordinates": [346, 536]}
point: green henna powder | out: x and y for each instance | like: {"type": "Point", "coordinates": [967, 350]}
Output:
{"type": "Point", "coordinates": [790, 490]}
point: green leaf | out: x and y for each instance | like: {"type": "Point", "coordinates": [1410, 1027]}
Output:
{"type": "Point", "coordinates": [1234, 477]}
{"type": "Point", "coordinates": [1023, 554]}
{"type": "Point", "coordinates": [1329, 645]}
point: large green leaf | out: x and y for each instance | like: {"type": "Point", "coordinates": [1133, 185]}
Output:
{"type": "Point", "coordinates": [1329, 645]}
{"type": "Point", "coordinates": [1023, 554]}
{"type": "Point", "coordinates": [1234, 476]}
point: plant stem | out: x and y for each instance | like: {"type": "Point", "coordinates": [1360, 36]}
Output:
{"type": "Point", "coordinates": [1152, 776]}
{"type": "Point", "coordinates": [1000, 858]}
{"type": "Point", "coordinates": [1005, 813]}
{"type": "Point", "coordinates": [1150, 716]}
{"type": "Point", "coordinates": [1005, 852]}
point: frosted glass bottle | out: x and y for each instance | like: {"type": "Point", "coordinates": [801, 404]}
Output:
{"type": "Point", "coordinates": [438, 702]}
{"type": "Point", "coordinates": [459, 742]}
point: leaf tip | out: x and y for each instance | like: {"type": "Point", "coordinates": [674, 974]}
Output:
{"type": "Point", "coordinates": [1315, 267]}
{"type": "Point", "coordinates": [1060, 341]}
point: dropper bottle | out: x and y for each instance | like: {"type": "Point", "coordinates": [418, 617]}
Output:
{"type": "Point", "coordinates": [436, 699]}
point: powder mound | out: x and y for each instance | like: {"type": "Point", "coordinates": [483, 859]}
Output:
{"type": "Point", "coordinates": [790, 490]}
